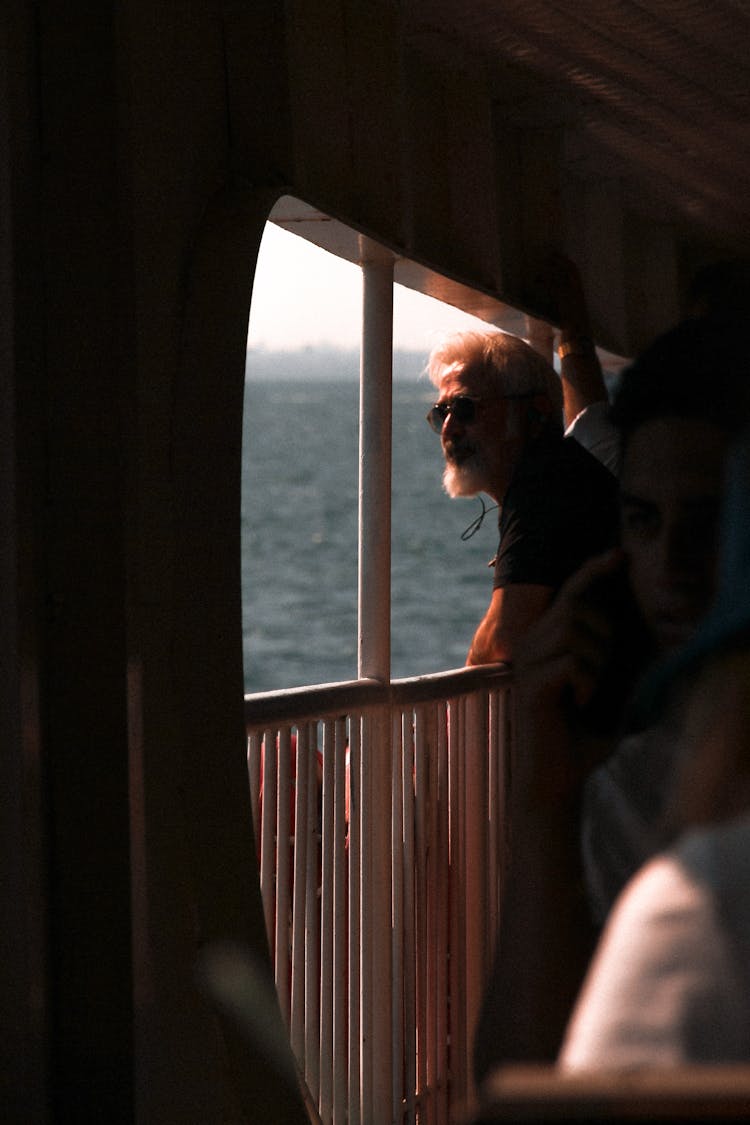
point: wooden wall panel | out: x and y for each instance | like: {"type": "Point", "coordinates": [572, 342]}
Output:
{"type": "Point", "coordinates": [508, 204]}
{"type": "Point", "coordinates": [541, 200]}
{"type": "Point", "coordinates": [258, 108]}
{"type": "Point", "coordinates": [594, 232]}
{"type": "Point", "coordinates": [375, 89]}
{"type": "Point", "coordinates": [469, 163]}
{"type": "Point", "coordinates": [322, 143]}
{"type": "Point", "coordinates": [84, 698]}
{"type": "Point", "coordinates": [193, 255]}
{"type": "Point", "coordinates": [24, 916]}
{"type": "Point", "coordinates": [651, 280]}
{"type": "Point", "coordinates": [428, 188]}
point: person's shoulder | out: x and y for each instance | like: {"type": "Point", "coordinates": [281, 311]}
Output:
{"type": "Point", "coordinates": [632, 993]}
{"type": "Point", "coordinates": [664, 884]}
{"type": "Point", "coordinates": [704, 864]}
{"type": "Point", "coordinates": [593, 429]}
{"type": "Point", "coordinates": [660, 917]}
{"type": "Point", "coordinates": [666, 985]}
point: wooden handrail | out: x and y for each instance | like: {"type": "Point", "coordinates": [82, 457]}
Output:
{"type": "Point", "coordinates": [326, 700]}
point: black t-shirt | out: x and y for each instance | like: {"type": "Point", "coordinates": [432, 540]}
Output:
{"type": "Point", "coordinates": [561, 508]}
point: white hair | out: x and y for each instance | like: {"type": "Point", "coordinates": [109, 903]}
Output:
{"type": "Point", "coordinates": [504, 364]}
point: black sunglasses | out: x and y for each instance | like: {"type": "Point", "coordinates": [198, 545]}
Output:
{"type": "Point", "coordinates": [463, 409]}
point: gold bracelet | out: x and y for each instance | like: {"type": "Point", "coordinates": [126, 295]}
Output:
{"type": "Point", "coordinates": [579, 345]}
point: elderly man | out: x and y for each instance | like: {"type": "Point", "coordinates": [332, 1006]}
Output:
{"type": "Point", "coordinates": [499, 416]}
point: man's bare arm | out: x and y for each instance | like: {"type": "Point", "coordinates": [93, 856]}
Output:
{"type": "Point", "coordinates": [511, 612]}
{"type": "Point", "coordinates": [581, 376]}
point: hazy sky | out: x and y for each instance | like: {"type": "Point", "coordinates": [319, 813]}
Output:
{"type": "Point", "coordinates": [305, 296]}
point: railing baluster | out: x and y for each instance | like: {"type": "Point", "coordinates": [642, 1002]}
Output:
{"type": "Point", "coordinates": [268, 834]}
{"type": "Point", "coordinates": [475, 836]}
{"type": "Point", "coordinates": [283, 856]}
{"type": "Point", "coordinates": [312, 917]}
{"type": "Point", "coordinates": [299, 897]}
{"type": "Point", "coordinates": [354, 914]}
{"type": "Point", "coordinates": [326, 925]}
{"type": "Point", "coordinates": [368, 993]}
{"type": "Point", "coordinates": [254, 744]}
{"type": "Point", "coordinates": [397, 930]}
{"type": "Point", "coordinates": [442, 886]}
{"type": "Point", "coordinates": [457, 975]}
{"type": "Point", "coordinates": [409, 940]}
{"type": "Point", "coordinates": [340, 988]}
{"type": "Point", "coordinates": [421, 947]}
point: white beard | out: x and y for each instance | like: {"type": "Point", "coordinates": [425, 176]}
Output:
{"type": "Point", "coordinates": [465, 479]}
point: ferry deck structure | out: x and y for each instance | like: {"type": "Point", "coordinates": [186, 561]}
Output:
{"type": "Point", "coordinates": [446, 144]}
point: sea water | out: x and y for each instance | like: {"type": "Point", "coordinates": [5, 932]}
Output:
{"type": "Point", "coordinates": [299, 538]}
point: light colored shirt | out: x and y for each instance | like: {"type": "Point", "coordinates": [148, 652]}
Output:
{"type": "Point", "coordinates": [669, 984]}
{"type": "Point", "coordinates": [594, 431]}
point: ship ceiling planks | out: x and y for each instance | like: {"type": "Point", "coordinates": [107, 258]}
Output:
{"type": "Point", "coordinates": [656, 89]}
{"type": "Point", "coordinates": [474, 137]}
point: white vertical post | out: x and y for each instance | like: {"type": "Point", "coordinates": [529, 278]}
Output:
{"type": "Point", "coordinates": [376, 377]}
{"type": "Point", "coordinates": [475, 936]}
{"type": "Point", "coordinates": [374, 662]}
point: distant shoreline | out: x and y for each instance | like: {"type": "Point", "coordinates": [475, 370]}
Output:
{"type": "Point", "coordinates": [324, 363]}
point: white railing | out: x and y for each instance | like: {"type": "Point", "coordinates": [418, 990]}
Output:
{"type": "Point", "coordinates": [382, 907]}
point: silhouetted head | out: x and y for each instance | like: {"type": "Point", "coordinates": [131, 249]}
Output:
{"type": "Point", "coordinates": [677, 409]}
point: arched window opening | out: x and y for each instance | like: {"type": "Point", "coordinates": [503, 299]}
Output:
{"type": "Point", "coordinates": [354, 569]}
{"type": "Point", "coordinates": [300, 475]}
